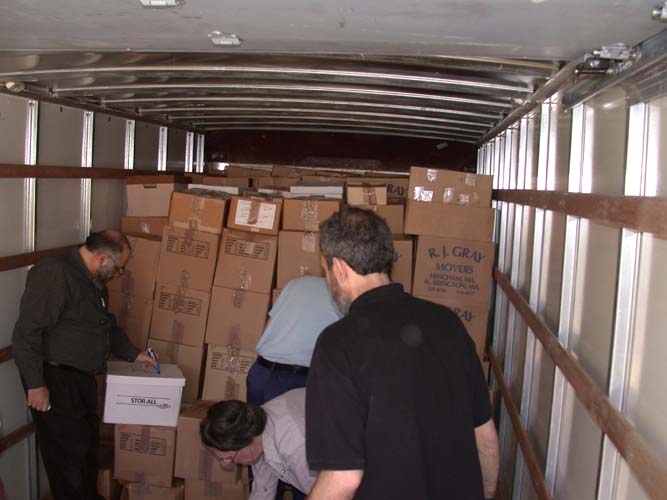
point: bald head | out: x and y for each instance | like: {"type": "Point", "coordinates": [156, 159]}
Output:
{"type": "Point", "coordinates": [108, 241]}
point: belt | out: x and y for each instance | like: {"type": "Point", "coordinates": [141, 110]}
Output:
{"type": "Point", "coordinates": [282, 367]}
{"type": "Point", "coordinates": [70, 368]}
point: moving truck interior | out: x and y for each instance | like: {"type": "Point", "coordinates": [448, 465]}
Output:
{"type": "Point", "coordinates": [563, 103]}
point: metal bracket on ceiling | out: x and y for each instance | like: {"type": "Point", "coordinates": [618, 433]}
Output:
{"type": "Point", "coordinates": [607, 60]}
{"type": "Point", "coordinates": [660, 13]}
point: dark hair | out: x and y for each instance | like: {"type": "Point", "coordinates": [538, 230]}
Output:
{"type": "Point", "coordinates": [360, 238]}
{"type": "Point", "coordinates": [109, 241]}
{"type": "Point", "coordinates": [231, 425]}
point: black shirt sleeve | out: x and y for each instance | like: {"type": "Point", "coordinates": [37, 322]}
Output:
{"type": "Point", "coordinates": [42, 304]}
{"type": "Point", "coordinates": [481, 405]}
{"type": "Point", "coordinates": [335, 411]}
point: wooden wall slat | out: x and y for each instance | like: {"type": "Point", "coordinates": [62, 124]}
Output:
{"type": "Point", "coordinates": [644, 214]}
{"type": "Point", "coordinates": [13, 171]}
{"type": "Point", "coordinates": [645, 464]}
{"type": "Point", "coordinates": [529, 457]}
{"type": "Point", "coordinates": [28, 259]}
{"type": "Point", "coordinates": [16, 436]}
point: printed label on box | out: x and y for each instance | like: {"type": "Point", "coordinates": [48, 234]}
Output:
{"type": "Point", "coordinates": [138, 400]}
{"type": "Point", "coordinates": [179, 303]}
{"type": "Point", "coordinates": [136, 443]}
{"type": "Point", "coordinates": [188, 246]}
{"type": "Point", "coordinates": [244, 248]}
{"type": "Point", "coordinates": [231, 362]}
{"type": "Point", "coordinates": [456, 275]}
{"type": "Point", "coordinates": [256, 214]}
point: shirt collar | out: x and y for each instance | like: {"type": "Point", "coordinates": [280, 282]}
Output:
{"type": "Point", "coordinates": [378, 294]}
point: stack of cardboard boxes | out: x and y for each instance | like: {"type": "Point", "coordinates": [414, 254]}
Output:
{"type": "Point", "coordinates": [240, 300]}
{"type": "Point", "coordinates": [450, 212]}
{"type": "Point", "coordinates": [188, 258]}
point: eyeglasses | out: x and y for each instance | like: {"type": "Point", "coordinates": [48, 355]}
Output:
{"type": "Point", "coordinates": [117, 269]}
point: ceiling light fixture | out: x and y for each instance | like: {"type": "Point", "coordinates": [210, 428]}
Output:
{"type": "Point", "coordinates": [160, 4]}
{"type": "Point", "coordinates": [15, 87]}
{"type": "Point", "coordinates": [222, 38]}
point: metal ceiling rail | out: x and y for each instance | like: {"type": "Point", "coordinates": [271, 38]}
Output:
{"type": "Point", "coordinates": [261, 119]}
{"type": "Point", "coordinates": [400, 78]}
{"type": "Point", "coordinates": [344, 131]}
{"type": "Point", "coordinates": [263, 123]}
{"type": "Point", "coordinates": [284, 100]}
{"type": "Point", "coordinates": [244, 87]}
{"type": "Point", "coordinates": [322, 112]}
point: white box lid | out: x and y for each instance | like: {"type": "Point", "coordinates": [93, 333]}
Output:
{"type": "Point", "coordinates": [122, 372]}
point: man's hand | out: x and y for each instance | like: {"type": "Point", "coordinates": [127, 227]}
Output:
{"type": "Point", "coordinates": [144, 358]}
{"type": "Point", "coordinates": [38, 398]}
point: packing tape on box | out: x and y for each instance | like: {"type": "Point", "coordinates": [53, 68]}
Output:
{"type": "Point", "coordinates": [232, 389]}
{"type": "Point", "coordinates": [370, 195]}
{"type": "Point", "coordinates": [471, 180]}
{"type": "Point", "coordinates": [177, 331]}
{"type": "Point", "coordinates": [253, 212]}
{"type": "Point", "coordinates": [309, 242]}
{"type": "Point", "coordinates": [449, 195]}
{"type": "Point", "coordinates": [245, 279]}
{"type": "Point", "coordinates": [171, 352]}
{"type": "Point", "coordinates": [193, 223]}
{"type": "Point", "coordinates": [205, 464]}
{"type": "Point", "coordinates": [431, 174]}
{"type": "Point", "coordinates": [238, 297]}
{"type": "Point", "coordinates": [145, 438]}
{"type": "Point", "coordinates": [145, 227]}
{"type": "Point", "coordinates": [310, 215]}
{"type": "Point", "coordinates": [141, 488]}
{"type": "Point", "coordinates": [421, 194]}
{"type": "Point", "coordinates": [212, 490]}
{"type": "Point", "coordinates": [231, 362]}
{"type": "Point", "coordinates": [304, 270]}
{"type": "Point", "coordinates": [126, 308]}
{"type": "Point", "coordinates": [184, 279]}
{"type": "Point", "coordinates": [234, 345]}
{"type": "Point", "coordinates": [127, 282]}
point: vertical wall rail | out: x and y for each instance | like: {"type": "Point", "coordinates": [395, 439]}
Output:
{"type": "Point", "coordinates": [30, 185]}
{"type": "Point", "coordinates": [162, 149]}
{"type": "Point", "coordinates": [86, 162]}
{"type": "Point", "coordinates": [200, 153]}
{"type": "Point", "coordinates": [626, 293]}
{"type": "Point", "coordinates": [189, 150]}
{"type": "Point", "coordinates": [130, 134]}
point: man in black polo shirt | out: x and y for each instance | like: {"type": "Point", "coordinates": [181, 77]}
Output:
{"type": "Point", "coordinates": [397, 406]}
{"type": "Point", "coordinates": [62, 338]}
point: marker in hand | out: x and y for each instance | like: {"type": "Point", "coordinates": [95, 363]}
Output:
{"type": "Point", "coordinates": [153, 356]}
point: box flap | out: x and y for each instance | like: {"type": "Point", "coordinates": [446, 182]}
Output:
{"type": "Point", "coordinates": [122, 372]}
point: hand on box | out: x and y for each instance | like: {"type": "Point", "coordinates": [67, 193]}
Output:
{"type": "Point", "coordinates": [146, 359]}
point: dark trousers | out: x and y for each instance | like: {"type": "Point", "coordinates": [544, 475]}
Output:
{"type": "Point", "coordinates": [264, 384]}
{"type": "Point", "coordinates": [68, 434]}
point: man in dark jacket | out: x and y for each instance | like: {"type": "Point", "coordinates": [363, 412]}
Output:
{"type": "Point", "coordinates": [61, 340]}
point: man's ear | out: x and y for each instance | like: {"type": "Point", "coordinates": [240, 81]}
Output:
{"type": "Point", "coordinates": [340, 269]}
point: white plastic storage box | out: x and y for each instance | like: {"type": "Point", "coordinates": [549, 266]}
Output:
{"type": "Point", "coordinates": [136, 394]}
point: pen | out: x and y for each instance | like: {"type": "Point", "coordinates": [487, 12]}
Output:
{"type": "Point", "coordinates": [153, 356]}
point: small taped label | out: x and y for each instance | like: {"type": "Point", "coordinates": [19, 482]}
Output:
{"type": "Point", "coordinates": [421, 194]}
{"type": "Point", "coordinates": [464, 199]}
{"type": "Point", "coordinates": [471, 180]}
{"type": "Point", "coordinates": [145, 227]}
{"type": "Point", "coordinates": [448, 195]}
{"type": "Point", "coordinates": [309, 242]}
{"type": "Point", "coordinates": [431, 174]}
{"type": "Point", "coordinates": [255, 213]}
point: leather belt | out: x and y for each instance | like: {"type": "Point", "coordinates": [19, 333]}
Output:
{"type": "Point", "coordinates": [282, 367]}
{"type": "Point", "coordinates": [69, 368]}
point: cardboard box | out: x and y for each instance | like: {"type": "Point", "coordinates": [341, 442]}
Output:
{"type": "Point", "coordinates": [366, 194]}
{"type": "Point", "coordinates": [320, 178]}
{"type": "Point", "coordinates": [288, 171]}
{"type": "Point", "coordinates": [397, 187]}
{"type": "Point", "coordinates": [236, 317]}
{"type": "Point", "coordinates": [145, 454]}
{"type": "Point", "coordinates": [431, 185]}
{"type": "Point", "coordinates": [247, 261]}
{"type": "Point", "coordinates": [321, 189]}
{"type": "Point", "coordinates": [475, 318]}
{"type": "Point", "coordinates": [205, 490]}
{"type": "Point", "coordinates": [189, 359]}
{"type": "Point", "coordinates": [449, 221]}
{"type": "Point", "coordinates": [216, 180]}
{"type": "Point", "coordinates": [306, 214]}
{"type": "Point", "coordinates": [149, 226]}
{"type": "Point", "coordinates": [188, 258]}
{"type": "Point", "coordinates": [179, 315]}
{"type": "Point", "coordinates": [256, 214]}
{"type": "Point", "coordinates": [236, 171]}
{"type": "Point", "coordinates": [453, 270]}
{"type": "Point", "coordinates": [193, 460]}
{"type": "Point", "coordinates": [198, 210]}
{"type": "Point", "coordinates": [392, 215]}
{"type": "Point", "coordinates": [136, 394]}
{"type": "Point", "coordinates": [298, 255]}
{"type": "Point", "coordinates": [149, 195]}
{"type": "Point", "coordinates": [226, 372]}
{"type": "Point", "coordinates": [402, 268]}
{"type": "Point", "coordinates": [141, 270]}
{"type": "Point", "coordinates": [274, 182]}
{"type": "Point", "coordinates": [142, 491]}
{"type": "Point", "coordinates": [133, 315]}
{"type": "Point", "coordinates": [107, 486]}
